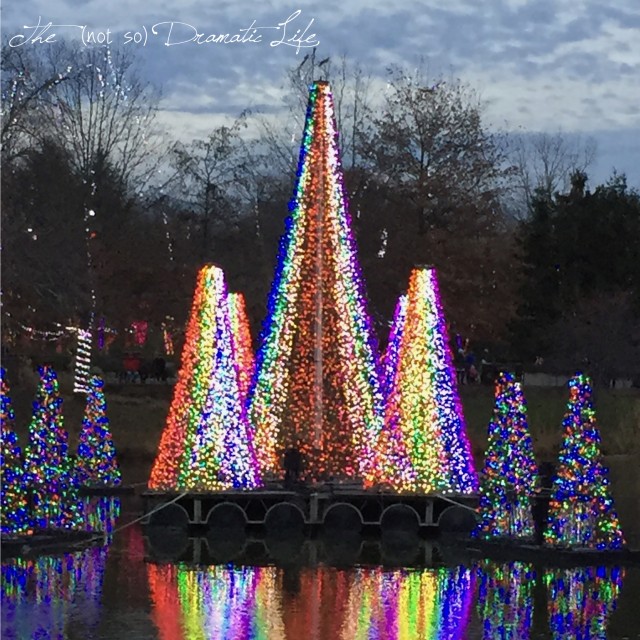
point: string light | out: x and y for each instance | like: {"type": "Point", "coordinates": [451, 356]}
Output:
{"type": "Point", "coordinates": [423, 408]}
{"type": "Point", "coordinates": [317, 384]}
{"type": "Point", "coordinates": [389, 360]}
{"type": "Point", "coordinates": [14, 500]}
{"type": "Point", "coordinates": [139, 329]}
{"type": "Point", "coordinates": [96, 462]}
{"type": "Point", "coordinates": [510, 474]}
{"type": "Point", "coordinates": [83, 362]}
{"type": "Point", "coordinates": [581, 509]}
{"type": "Point", "coordinates": [207, 443]}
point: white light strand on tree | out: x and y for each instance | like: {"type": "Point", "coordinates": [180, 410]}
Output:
{"type": "Point", "coordinates": [83, 362]}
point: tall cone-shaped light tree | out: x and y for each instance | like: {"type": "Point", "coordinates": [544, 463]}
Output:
{"type": "Point", "coordinates": [207, 443]}
{"type": "Point", "coordinates": [389, 360]}
{"type": "Point", "coordinates": [581, 510]}
{"type": "Point", "coordinates": [422, 402]}
{"type": "Point", "coordinates": [317, 384]}
{"type": "Point", "coordinates": [96, 461]}
{"type": "Point", "coordinates": [14, 517]}
{"type": "Point", "coordinates": [242, 342]}
{"type": "Point", "coordinates": [510, 474]}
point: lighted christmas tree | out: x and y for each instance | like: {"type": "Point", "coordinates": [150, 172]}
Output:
{"type": "Point", "coordinates": [389, 360]}
{"type": "Point", "coordinates": [422, 402]}
{"type": "Point", "coordinates": [242, 342]}
{"type": "Point", "coordinates": [15, 513]}
{"type": "Point", "coordinates": [96, 462]}
{"type": "Point", "coordinates": [581, 510]}
{"type": "Point", "coordinates": [580, 601]}
{"type": "Point", "coordinates": [317, 381]}
{"type": "Point", "coordinates": [207, 443]}
{"type": "Point", "coordinates": [510, 474]}
{"type": "Point", "coordinates": [49, 468]}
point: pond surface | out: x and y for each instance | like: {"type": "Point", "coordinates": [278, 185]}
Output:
{"type": "Point", "coordinates": [305, 590]}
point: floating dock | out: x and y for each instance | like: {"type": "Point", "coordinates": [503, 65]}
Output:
{"type": "Point", "coordinates": [330, 508]}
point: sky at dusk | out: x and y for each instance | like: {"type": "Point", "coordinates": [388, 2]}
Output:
{"type": "Point", "coordinates": [545, 65]}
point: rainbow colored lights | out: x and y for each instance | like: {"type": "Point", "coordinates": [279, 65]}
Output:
{"type": "Point", "coordinates": [207, 443]}
{"type": "Point", "coordinates": [264, 602]}
{"type": "Point", "coordinates": [423, 409]}
{"type": "Point", "coordinates": [581, 510]}
{"type": "Point", "coordinates": [510, 474]}
{"type": "Point", "coordinates": [49, 468]}
{"type": "Point", "coordinates": [96, 462]}
{"type": "Point", "coordinates": [15, 517]}
{"type": "Point", "coordinates": [317, 381]}
{"type": "Point", "coordinates": [242, 340]}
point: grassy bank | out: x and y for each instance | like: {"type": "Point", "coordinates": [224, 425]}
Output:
{"type": "Point", "coordinates": [137, 415]}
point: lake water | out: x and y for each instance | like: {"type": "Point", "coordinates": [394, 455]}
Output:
{"type": "Point", "coordinates": [164, 587]}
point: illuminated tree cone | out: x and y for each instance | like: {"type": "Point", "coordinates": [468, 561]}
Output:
{"type": "Point", "coordinates": [242, 342]}
{"type": "Point", "coordinates": [581, 510]}
{"type": "Point", "coordinates": [96, 462]}
{"type": "Point", "coordinates": [510, 473]}
{"type": "Point", "coordinates": [505, 600]}
{"type": "Point", "coordinates": [389, 360]}
{"type": "Point", "coordinates": [15, 513]}
{"type": "Point", "coordinates": [422, 402]}
{"type": "Point", "coordinates": [580, 601]}
{"type": "Point", "coordinates": [207, 443]}
{"type": "Point", "coordinates": [50, 470]}
{"type": "Point", "coordinates": [317, 377]}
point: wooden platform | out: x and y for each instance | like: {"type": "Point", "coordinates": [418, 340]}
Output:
{"type": "Point", "coordinates": [330, 508]}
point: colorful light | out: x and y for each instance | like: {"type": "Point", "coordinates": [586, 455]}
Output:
{"type": "Point", "coordinates": [242, 342]}
{"type": "Point", "coordinates": [423, 408]}
{"type": "Point", "coordinates": [510, 474]}
{"type": "Point", "coordinates": [48, 466]}
{"type": "Point", "coordinates": [580, 601]}
{"type": "Point", "coordinates": [15, 514]}
{"type": "Point", "coordinates": [139, 329]}
{"type": "Point", "coordinates": [581, 510]}
{"type": "Point", "coordinates": [207, 443]}
{"type": "Point", "coordinates": [505, 600]}
{"type": "Point", "coordinates": [96, 462]}
{"type": "Point", "coordinates": [317, 384]}
{"type": "Point", "coordinates": [389, 361]}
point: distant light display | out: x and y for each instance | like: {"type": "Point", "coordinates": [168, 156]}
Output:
{"type": "Point", "coordinates": [242, 342]}
{"type": "Point", "coordinates": [422, 401]}
{"type": "Point", "coordinates": [505, 600]}
{"type": "Point", "coordinates": [50, 471]}
{"type": "Point", "coordinates": [581, 510]}
{"type": "Point", "coordinates": [96, 461]}
{"type": "Point", "coordinates": [207, 443]}
{"type": "Point", "coordinates": [83, 362]}
{"type": "Point", "coordinates": [317, 383]}
{"type": "Point", "coordinates": [510, 474]}
{"type": "Point", "coordinates": [15, 518]}
{"type": "Point", "coordinates": [581, 600]}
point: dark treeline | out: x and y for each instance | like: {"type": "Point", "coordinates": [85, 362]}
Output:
{"type": "Point", "coordinates": [104, 215]}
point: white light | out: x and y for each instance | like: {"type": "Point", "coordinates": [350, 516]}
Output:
{"type": "Point", "coordinates": [92, 212]}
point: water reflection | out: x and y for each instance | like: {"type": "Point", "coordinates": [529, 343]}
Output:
{"type": "Point", "coordinates": [580, 601]}
{"type": "Point", "coordinates": [258, 602]}
{"type": "Point", "coordinates": [505, 600]}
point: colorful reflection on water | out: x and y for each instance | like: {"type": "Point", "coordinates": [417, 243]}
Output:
{"type": "Point", "coordinates": [67, 597]}
{"type": "Point", "coordinates": [322, 602]}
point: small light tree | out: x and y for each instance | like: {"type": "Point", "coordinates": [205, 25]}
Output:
{"type": "Point", "coordinates": [15, 512]}
{"type": "Point", "coordinates": [96, 460]}
{"type": "Point", "coordinates": [50, 470]}
{"type": "Point", "coordinates": [510, 473]}
{"type": "Point", "coordinates": [581, 510]}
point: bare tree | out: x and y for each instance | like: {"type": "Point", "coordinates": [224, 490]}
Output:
{"type": "Point", "coordinates": [545, 162]}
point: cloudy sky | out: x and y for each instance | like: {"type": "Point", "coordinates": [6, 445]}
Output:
{"type": "Point", "coordinates": [539, 65]}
